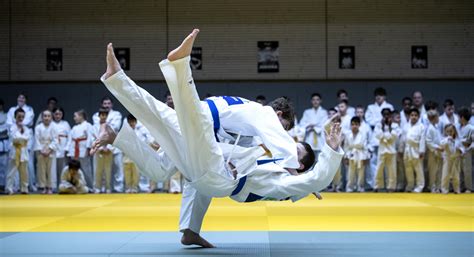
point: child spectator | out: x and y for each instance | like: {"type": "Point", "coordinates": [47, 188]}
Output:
{"type": "Point", "coordinates": [103, 158]}
{"type": "Point", "coordinates": [451, 160]}
{"type": "Point", "coordinates": [46, 144]}
{"type": "Point", "coordinates": [355, 144]}
{"type": "Point", "coordinates": [63, 129]}
{"type": "Point", "coordinates": [72, 179]}
{"type": "Point", "coordinates": [434, 151]}
{"type": "Point", "coordinates": [414, 150]}
{"type": "Point", "coordinates": [466, 135]}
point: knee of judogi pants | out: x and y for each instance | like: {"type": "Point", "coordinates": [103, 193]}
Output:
{"type": "Point", "coordinates": [351, 176]}
{"type": "Point", "coordinates": [467, 170]}
{"type": "Point", "coordinates": [82, 190]}
{"type": "Point", "coordinates": [117, 170]}
{"type": "Point", "coordinates": [193, 208]}
{"type": "Point", "coordinates": [409, 174]}
{"type": "Point", "coordinates": [86, 167]}
{"type": "Point", "coordinates": [3, 167]}
{"type": "Point", "coordinates": [391, 163]}
{"type": "Point", "coordinates": [63, 189]}
{"type": "Point", "coordinates": [420, 175]}
{"type": "Point", "coordinates": [456, 173]}
{"type": "Point", "coordinates": [379, 177]}
{"type": "Point", "coordinates": [23, 168]}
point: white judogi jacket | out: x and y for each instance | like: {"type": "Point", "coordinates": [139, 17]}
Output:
{"type": "Point", "coordinates": [346, 123]}
{"type": "Point", "coordinates": [237, 115]}
{"type": "Point", "coordinates": [414, 140]}
{"type": "Point", "coordinates": [29, 115]}
{"type": "Point", "coordinates": [444, 120]}
{"type": "Point", "coordinates": [466, 135]}
{"type": "Point", "coordinates": [373, 115]}
{"type": "Point", "coordinates": [433, 139]}
{"type": "Point", "coordinates": [63, 129]}
{"type": "Point", "coordinates": [452, 148]}
{"type": "Point", "coordinates": [80, 137]}
{"type": "Point", "coordinates": [114, 119]}
{"type": "Point", "coordinates": [387, 139]}
{"type": "Point", "coordinates": [350, 110]}
{"type": "Point", "coordinates": [46, 137]}
{"type": "Point", "coordinates": [4, 143]}
{"type": "Point", "coordinates": [314, 137]}
{"type": "Point", "coordinates": [356, 147]}
{"type": "Point", "coordinates": [24, 138]}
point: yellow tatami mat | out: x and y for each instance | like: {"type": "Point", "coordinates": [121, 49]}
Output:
{"type": "Point", "coordinates": [160, 212]}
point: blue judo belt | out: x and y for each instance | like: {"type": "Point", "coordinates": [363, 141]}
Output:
{"type": "Point", "coordinates": [215, 117]}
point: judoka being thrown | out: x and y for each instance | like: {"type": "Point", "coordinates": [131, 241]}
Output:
{"type": "Point", "coordinates": [187, 141]}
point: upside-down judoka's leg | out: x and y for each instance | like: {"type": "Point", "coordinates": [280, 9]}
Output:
{"type": "Point", "coordinates": [156, 116]}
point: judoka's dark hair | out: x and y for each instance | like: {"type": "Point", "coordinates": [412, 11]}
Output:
{"type": "Point", "coordinates": [18, 111]}
{"type": "Point", "coordinates": [355, 119]}
{"type": "Point", "coordinates": [59, 109]}
{"type": "Point", "coordinates": [463, 112]}
{"type": "Point", "coordinates": [130, 117]}
{"type": "Point", "coordinates": [415, 110]}
{"type": "Point", "coordinates": [308, 159]}
{"type": "Point", "coordinates": [103, 110]}
{"type": "Point", "coordinates": [380, 91]}
{"type": "Point", "coordinates": [74, 164]}
{"type": "Point", "coordinates": [431, 105]}
{"type": "Point", "coordinates": [284, 105]}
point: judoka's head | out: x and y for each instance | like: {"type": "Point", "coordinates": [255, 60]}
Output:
{"type": "Point", "coordinates": [58, 114]}
{"type": "Point", "coordinates": [414, 116]}
{"type": "Point", "coordinates": [305, 156]}
{"type": "Point", "coordinates": [316, 100]}
{"type": "Point", "coordinates": [169, 100]}
{"type": "Point", "coordinates": [103, 113]}
{"type": "Point", "coordinates": [342, 106]}
{"type": "Point", "coordinates": [464, 115]}
{"type": "Point", "coordinates": [342, 95]}
{"type": "Point", "coordinates": [19, 116]}
{"type": "Point", "coordinates": [332, 112]}
{"type": "Point", "coordinates": [448, 107]}
{"type": "Point", "coordinates": [387, 115]}
{"type": "Point", "coordinates": [355, 124]}
{"type": "Point", "coordinates": [380, 95]}
{"type": "Point", "coordinates": [396, 117]}
{"type": "Point", "coordinates": [407, 104]}
{"type": "Point", "coordinates": [52, 103]}
{"type": "Point", "coordinates": [80, 116]}
{"type": "Point", "coordinates": [46, 117]}
{"type": "Point", "coordinates": [360, 112]}
{"type": "Point", "coordinates": [74, 165]}
{"type": "Point", "coordinates": [418, 99]}
{"type": "Point", "coordinates": [132, 121]}
{"type": "Point", "coordinates": [450, 131]}
{"type": "Point", "coordinates": [285, 112]}
{"type": "Point", "coordinates": [21, 99]}
{"type": "Point", "coordinates": [107, 103]}
{"type": "Point", "coordinates": [433, 116]}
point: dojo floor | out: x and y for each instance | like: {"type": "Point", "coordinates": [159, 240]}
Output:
{"type": "Point", "coordinates": [145, 225]}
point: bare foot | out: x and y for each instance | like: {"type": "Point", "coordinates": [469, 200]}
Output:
{"type": "Point", "coordinates": [113, 66]}
{"type": "Point", "coordinates": [191, 238]}
{"type": "Point", "coordinates": [185, 48]}
{"type": "Point", "coordinates": [106, 136]}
